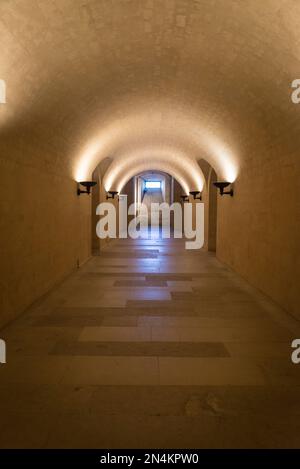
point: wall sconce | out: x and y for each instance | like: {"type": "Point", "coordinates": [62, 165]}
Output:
{"type": "Point", "coordinates": [88, 185]}
{"type": "Point", "coordinates": [112, 194]}
{"type": "Point", "coordinates": [195, 193]}
{"type": "Point", "coordinates": [184, 198]}
{"type": "Point", "coordinates": [221, 186]}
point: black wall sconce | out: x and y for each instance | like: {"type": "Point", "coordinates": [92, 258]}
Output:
{"type": "Point", "coordinates": [112, 194]}
{"type": "Point", "coordinates": [195, 193]}
{"type": "Point", "coordinates": [221, 186]}
{"type": "Point", "coordinates": [184, 198]}
{"type": "Point", "coordinates": [87, 184]}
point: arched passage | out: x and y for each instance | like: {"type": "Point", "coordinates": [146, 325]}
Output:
{"type": "Point", "coordinates": [160, 132]}
{"type": "Point", "coordinates": [166, 347]}
{"type": "Point", "coordinates": [186, 171]}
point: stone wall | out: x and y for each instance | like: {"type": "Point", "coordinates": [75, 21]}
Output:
{"type": "Point", "coordinates": [45, 234]}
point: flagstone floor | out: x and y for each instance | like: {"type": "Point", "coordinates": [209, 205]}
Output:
{"type": "Point", "coordinates": [151, 346]}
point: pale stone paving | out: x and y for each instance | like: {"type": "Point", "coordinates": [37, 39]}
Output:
{"type": "Point", "coordinates": [150, 345]}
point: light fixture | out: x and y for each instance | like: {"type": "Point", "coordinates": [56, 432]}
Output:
{"type": "Point", "coordinates": [184, 198]}
{"type": "Point", "coordinates": [222, 185]}
{"type": "Point", "coordinates": [112, 194]}
{"type": "Point", "coordinates": [88, 185]}
{"type": "Point", "coordinates": [195, 193]}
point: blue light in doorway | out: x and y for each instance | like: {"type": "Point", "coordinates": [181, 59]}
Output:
{"type": "Point", "coordinates": [153, 185]}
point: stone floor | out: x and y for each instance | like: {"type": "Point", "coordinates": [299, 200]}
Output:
{"type": "Point", "coordinates": [150, 345]}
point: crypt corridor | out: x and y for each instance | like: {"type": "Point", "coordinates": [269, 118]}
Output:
{"type": "Point", "coordinates": [141, 343]}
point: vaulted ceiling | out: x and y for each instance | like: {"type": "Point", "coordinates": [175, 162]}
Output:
{"type": "Point", "coordinates": [152, 84]}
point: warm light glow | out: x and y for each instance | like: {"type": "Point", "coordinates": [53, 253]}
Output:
{"type": "Point", "coordinates": [184, 169]}
{"type": "Point", "coordinates": [230, 173]}
{"type": "Point", "coordinates": [88, 162]}
{"type": "Point", "coordinates": [161, 135]}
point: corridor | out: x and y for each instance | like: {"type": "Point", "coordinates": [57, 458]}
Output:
{"type": "Point", "coordinates": [150, 345]}
{"type": "Point", "coordinates": [115, 114]}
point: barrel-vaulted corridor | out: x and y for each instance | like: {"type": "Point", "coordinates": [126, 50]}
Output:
{"type": "Point", "coordinates": [115, 342]}
{"type": "Point", "coordinates": [150, 345]}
